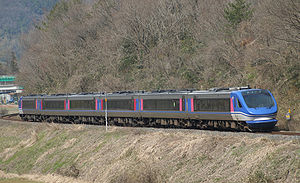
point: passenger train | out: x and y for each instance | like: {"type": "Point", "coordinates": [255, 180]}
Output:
{"type": "Point", "coordinates": [238, 108]}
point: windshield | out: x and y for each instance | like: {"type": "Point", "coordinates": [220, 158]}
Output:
{"type": "Point", "coordinates": [258, 98]}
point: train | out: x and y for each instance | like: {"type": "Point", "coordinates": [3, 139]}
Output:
{"type": "Point", "coordinates": [233, 109]}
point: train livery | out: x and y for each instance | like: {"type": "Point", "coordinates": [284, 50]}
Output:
{"type": "Point", "coordinates": [239, 108]}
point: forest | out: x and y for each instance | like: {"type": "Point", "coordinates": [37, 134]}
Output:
{"type": "Point", "coordinates": [112, 45]}
{"type": "Point", "coordinates": [17, 17]}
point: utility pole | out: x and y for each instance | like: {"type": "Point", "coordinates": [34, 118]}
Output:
{"type": "Point", "coordinates": [105, 111]}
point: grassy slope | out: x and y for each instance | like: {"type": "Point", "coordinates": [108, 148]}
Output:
{"type": "Point", "coordinates": [15, 180]}
{"type": "Point", "coordinates": [134, 155]}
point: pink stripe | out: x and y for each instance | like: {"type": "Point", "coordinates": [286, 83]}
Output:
{"type": "Point", "coordinates": [192, 105]}
{"type": "Point", "coordinates": [180, 104]}
{"type": "Point", "coordinates": [134, 104]}
{"type": "Point", "coordinates": [96, 104]}
{"type": "Point", "coordinates": [101, 104]}
{"type": "Point", "coordinates": [142, 105]}
{"type": "Point", "coordinates": [36, 104]}
{"type": "Point", "coordinates": [68, 104]}
{"type": "Point", "coordinates": [231, 105]}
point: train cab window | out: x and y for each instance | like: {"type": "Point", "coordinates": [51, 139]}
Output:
{"type": "Point", "coordinates": [239, 105]}
{"type": "Point", "coordinates": [235, 103]}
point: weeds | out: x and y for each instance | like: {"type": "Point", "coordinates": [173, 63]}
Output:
{"type": "Point", "coordinates": [16, 180]}
{"type": "Point", "coordinates": [145, 174]}
{"type": "Point", "coordinates": [259, 177]}
{"type": "Point", "coordinates": [71, 171]}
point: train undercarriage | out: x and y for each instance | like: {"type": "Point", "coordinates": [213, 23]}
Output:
{"type": "Point", "coordinates": [143, 122]}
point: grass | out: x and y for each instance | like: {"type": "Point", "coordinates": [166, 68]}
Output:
{"type": "Point", "coordinates": [238, 151]}
{"type": "Point", "coordinates": [25, 158]}
{"type": "Point", "coordinates": [119, 156]}
{"type": "Point", "coordinates": [202, 158]}
{"type": "Point", "coordinates": [7, 142]}
{"type": "Point", "coordinates": [63, 160]}
{"type": "Point", "coordinates": [8, 109]}
{"type": "Point", "coordinates": [259, 177]}
{"type": "Point", "coordinates": [16, 180]}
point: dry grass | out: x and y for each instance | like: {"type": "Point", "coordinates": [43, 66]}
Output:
{"type": "Point", "coordinates": [88, 153]}
{"type": "Point", "coordinates": [8, 109]}
{"type": "Point", "coordinates": [3, 111]}
{"type": "Point", "coordinates": [16, 180]}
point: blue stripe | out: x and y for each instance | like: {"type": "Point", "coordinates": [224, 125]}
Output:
{"type": "Point", "coordinates": [137, 102]}
{"type": "Point", "coordinates": [100, 103]}
{"type": "Point", "coordinates": [229, 113]}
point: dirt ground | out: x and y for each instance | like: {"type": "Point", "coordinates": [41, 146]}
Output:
{"type": "Point", "coordinates": [80, 153]}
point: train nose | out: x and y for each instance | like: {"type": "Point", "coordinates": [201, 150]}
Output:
{"type": "Point", "coordinates": [262, 124]}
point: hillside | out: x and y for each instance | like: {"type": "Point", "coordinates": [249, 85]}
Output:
{"type": "Point", "coordinates": [111, 45]}
{"type": "Point", "coordinates": [16, 18]}
{"type": "Point", "coordinates": [78, 153]}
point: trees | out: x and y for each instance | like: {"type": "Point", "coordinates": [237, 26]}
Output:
{"type": "Point", "coordinates": [13, 63]}
{"type": "Point", "coordinates": [143, 45]}
{"type": "Point", "coordinates": [3, 69]}
{"type": "Point", "coordinates": [237, 12]}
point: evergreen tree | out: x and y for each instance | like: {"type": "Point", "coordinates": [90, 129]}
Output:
{"type": "Point", "coordinates": [13, 63]}
{"type": "Point", "coordinates": [2, 69]}
{"type": "Point", "coordinates": [238, 11]}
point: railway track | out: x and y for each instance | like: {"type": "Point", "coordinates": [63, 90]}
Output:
{"type": "Point", "coordinates": [15, 117]}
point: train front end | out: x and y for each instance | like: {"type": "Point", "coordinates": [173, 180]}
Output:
{"type": "Point", "coordinates": [257, 107]}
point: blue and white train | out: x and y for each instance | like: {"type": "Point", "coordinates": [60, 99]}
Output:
{"type": "Point", "coordinates": [239, 108]}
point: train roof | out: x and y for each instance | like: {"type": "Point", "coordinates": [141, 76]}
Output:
{"type": "Point", "coordinates": [144, 93]}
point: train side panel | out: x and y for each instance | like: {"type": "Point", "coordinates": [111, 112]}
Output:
{"type": "Point", "coordinates": [204, 106]}
{"type": "Point", "coordinates": [162, 106]}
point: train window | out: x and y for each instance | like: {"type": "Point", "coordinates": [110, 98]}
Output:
{"type": "Point", "coordinates": [119, 104]}
{"type": "Point", "coordinates": [82, 105]}
{"type": "Point", "coordinates": [28, 104]}
{"type": "Point", "coordinates": [53, 104]}
{"type": "Point", "coordinates": [235, 102]}
{"type": "Point", "coordinates": [258, 98]}
{"type": "Point", "coordinates": [239, 104]}
{"type": "Point", "coordinates": [215, 105]}
{"type": "Point", "coordinates": [161, 104]}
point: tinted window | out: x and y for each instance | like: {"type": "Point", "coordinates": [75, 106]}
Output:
{"type": "Point", "coordinates": [82, 105]}
{"type": "Point", "coordinates": [53, 104]}
{"type": "Point", "coordinates": [215, 105]}
{"type": "Point", "coordinates": [28, 104]}
{"type": "Point", "coordinates": [239, 105]}
{"type": "Point", "coordinates": [258, 98]}
{"type": "Point", "coordinates": [161, 104]}
{"type": "Point", "coordinates": [119, 104]}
